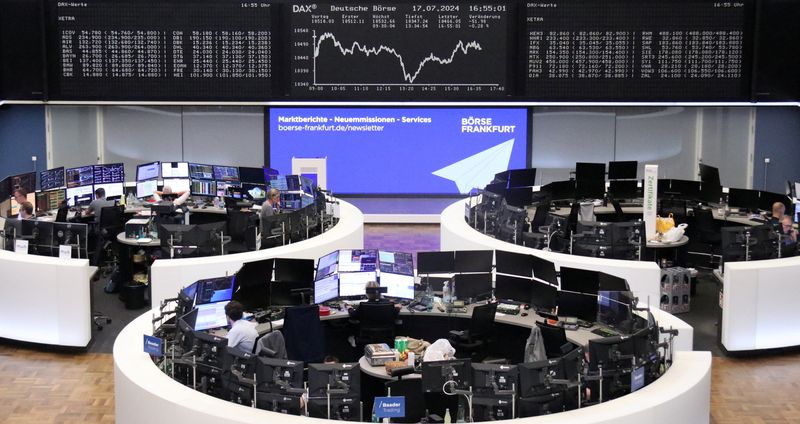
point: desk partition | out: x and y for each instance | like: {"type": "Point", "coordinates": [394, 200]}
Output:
{"type": "Point", "coordinates": [45, 299]}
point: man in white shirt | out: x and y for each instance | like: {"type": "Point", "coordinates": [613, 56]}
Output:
{"type": "Point", "coordinates": [177, 198]}
{"type": "Point", "coordinates": [242, 334]}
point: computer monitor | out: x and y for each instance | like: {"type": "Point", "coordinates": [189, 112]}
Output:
{"type": "Point", "coordinates": [711, 187]}
{"type": "Point", "coordinates": [396, 262]}
{"type": "Point", "coordinates": [109, 173]}
{"type": "Point", "coordinates": [226, 173]}
{"type": "Point", "coordinates": [277, 402]}
{"type": "Point", "coordinates": [614, 310]}
{"type": "Point", "coordinates": [212, 290]}
{"type": "Point", "coordinates": [519, 196]}
{"type": "Point", "coordinates": [767, 199]}
{"type": "Point", "coordinates": [544, 270]}
{"type": "Point", "coordinates": [293, 183]}
{"type": "Point", "coordinates": [499, 188]}
{"type": "Point", "coordinates": [287, 293]}
{"type": "Point", "coordinates": [608, 282]}
{"type": "Point", "coordinates": [174, 170]}
{"type": "Point", "coordinates": [275, 375]}
{"type": "Point", "coordinates": [355, 283]}
{"type": "Point", "coordinates": [41, 236]}
{"type": "Point", "coordinates": [294, 270]}
{"type": "Point", "coordinates": [543, 296]}
{"type": "Point", "coordinates": [80, 176]}
{"type": "Point", "coordinates": [211, 315]}
{"type": "Point", "coordinates": [457, 372]}
{"type": "Point", "coordinates": [178, 185]}
{"type": "Point", "coordinates": [489, 378]}
{"type": "Point", "coordinates": [535, 378]}
{"type": "Point", "coordinates": [52, 179]}
{"type": "Point", "coordinates": [326, 288]}
{"type": "Point", "coordinates": [507, 287]}
{"type": "Point", "coordinates": [628, 233]}
{"type": "Point", "coordinates": [522, 177]}
{"type": "Point", "coordinates": [80, 195]}
{"type": "Point", "coordinates": [733, 242]}
{"type": "Point", "coordinates": [358, 260]}
{"type": "Point", "coordinates": [492, 407]}
{"type": "Point", "coordinates": [501, 177]}
{"type": "Point", "coordinates": [579, 280]}
{"type": "Point", "coordinates": [50, 200]}
{"type": "Point", "coordinates": [513, 263]}
{"type": "Point", "coordinates": [75, 235]}
{"type": "Point", "coordinates": [606, 352]}
{"type": "Point", "coordinates": [474, 260]}
{"type": "Point", "coordinates": [685, 189]}
{"type": "Point", "coordinates": [254, 192]}
{"type": "Point", "coordinates": [148, 171]}
{"type": "Point", "coordinates": [198, 171]}
{"type": "Point", "coordinates": [473, 287]}
{"type": "Point", "coordinates": [590, 180]}
{"type": "Point", "coordinates": [561, 190]}
{"type": "Point", "coordinates": [435, 262]}
{"type": "Point", "coordinates": [327, 264]}
{"type": "Point", "coordinates": [186, 298]}
{"type": "Point", "coordinates": [578, 305]}
{"type": "Point", "coordinates": [224, 187]}
{"type": "Point", "coordinates": [252, 284]}
{"type": "Point", "coordinates": [743, 198]}
{"type": "Point", "coordinates": [278, 182]}
{"type": "Point", "coordinates": [252, 175]}
{"type": "Point", "coordinates": [112, 189]}
{"type": "Point", "coordinates": [204, 188]}
{"type": "Point", "coordinates": [623, 170]}
{"type": "Point", "coordinates": [344, 378]}
{"type": "Point", "coordinates": [595, 232]}
{"type": "Point", "coordinates": [399, 286]}
{"type": "Point", "coordinates": [291, 201]}
{"type": "Point", "coordinates": [146, 188]}
{"type": "Point", "coordinates": [624, 189]}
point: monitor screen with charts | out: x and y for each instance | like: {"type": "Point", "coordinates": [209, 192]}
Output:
{"type": "Point", "coordinates": [326, 289]}
{"type": "Point", "coordinates": [51, 179]}
{"type": "Point", "coordinates": [109, 173]}
{"type": "Point", "coordinates": [79, 177]}
{"type": "Point", "coordinates": [80, 195]}
{"type": "Point", "coordinates": [111, 189]}
{"type": "Point", "coordinates": [226, 173]}
{"type": "Point", "coordinates": [211, 315]}
{"type": "Point", "coordinates": [199, 171]}
{"type": "Point", "coordinates": [327, 264]}
{"type": "Point", "coordinates": [148, 171]}
{"type": "Point", "coordinates": [358, 260]}
{"type": "Point", "coordinates": [146, 188]}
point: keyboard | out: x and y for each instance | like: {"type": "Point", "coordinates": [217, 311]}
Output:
{"type": "Point", "coordinates": [604, 332]}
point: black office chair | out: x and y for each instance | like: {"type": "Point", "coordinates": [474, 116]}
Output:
{"type": "Point", "coordinates": [241, 227]}
{"type": "Point", "coordinates": [411, 389]}
{"type": "Point", "coordinates": [619, 216]}
{"type": "Point", "coordinates": [707, 232]}
{"type": "Point", "coordinates": [572, 220]}
{"type": "Point", "coordinates": [473, 343]}
{"type": "Point", "coordinates": [61, 215]}
{"type": "Point", "coordinates": [111, 223]}
{"type": "Point", "coordinates": [303, 333]}
{"type": "Point", "coordinates": [376, 323]}
{"type": "Point", "coordinates": [555, 340]}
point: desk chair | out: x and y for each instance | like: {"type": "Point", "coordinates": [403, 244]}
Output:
{"type": "Point", "coordinates": [376, 323]}
{"type": "Point", "coordinates": [473, 343]}
{"type": "Point", "coordinates": [619, 216]}
{"type": "Point", "coordinates": [61, 215]}
{"type": "Point", "coordinates": [304, 335]}
{"type": "Point", "coordinates": [242, 227]}
{"type": "Point", "coordinates": [555, 340]}
{"type": "Point", "coordinates": [272, 345]}
{"type": "Point", "coordinates": [706, 231]}
{"type": "Point", "coordinates": [111, 223]}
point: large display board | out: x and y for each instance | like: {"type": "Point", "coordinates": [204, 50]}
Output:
{"type": "Point", "coordinates": [401, 151]}
{"type": "Point", "coordinates": [638, 49]}
{"type": "Point", "coordinates": [420, 50]}
{"type": "Point", "coordinates": [163, 50]}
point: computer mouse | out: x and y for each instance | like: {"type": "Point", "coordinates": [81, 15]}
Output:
{"type": "Point", "coordinates": [524, 314]}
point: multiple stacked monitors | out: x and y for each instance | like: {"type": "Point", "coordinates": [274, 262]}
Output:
{"type": "Point", "coordinates": [83, 181]}
{"type": "Point", "coordinates": [345, 273]}
{"type": "Point", "coordinates": [52, 179]}
{"type": "Point", "coordinates": [396, 274]}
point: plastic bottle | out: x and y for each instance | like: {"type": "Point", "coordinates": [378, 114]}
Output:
{"type": "Point", "coordinates": [447, 419]}
{"type": "Point", "coordinates": [374, 416]}
{"type": "Point", "coordinates": [429, 298]}
{"type": "Point", "coordinates": [446, 292]}
{"type": "Point", "coordinates": [453, 291]}
{"type": "Point", "coordinates": [410, 358]}
{"type": "Point", "coordinates": [460, 415]}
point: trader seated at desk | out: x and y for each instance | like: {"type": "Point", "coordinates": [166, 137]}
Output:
{"type": "Point", "coordinates": [267, 210]}
{"type": "Point", "coordinates": [20, 196]}
{"type": "Point", "coordinates": [789, 234]}
{"type": "Point", "coordinates": [778, 211]}
{"type": "Point", "coordinates": [177, 198]}
{"type": "Point", "coordinates": [374, 297]}
{"type": "Point", "coordinates": [242, 334]}
{"type": "Point", "coordinates": [26, 210]}
{"type": "Point", "coordinates": [98, 204]}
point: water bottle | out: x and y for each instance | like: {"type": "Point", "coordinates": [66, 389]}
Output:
{"type": "Point", "coordinates": [446, 293]}
{"type": "Point", "coordinates": [453, 291]}
{"type": "Point", "coordinates": [460, 415]}
{"type": "Point", "coordinates": [429, 298]}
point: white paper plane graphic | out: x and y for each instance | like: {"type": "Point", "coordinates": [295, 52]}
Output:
{"type": "Point", "coordinates": [478, 170]}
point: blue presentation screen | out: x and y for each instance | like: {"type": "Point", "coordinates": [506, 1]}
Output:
{"type": "Point", "coordinates": [401, 151]}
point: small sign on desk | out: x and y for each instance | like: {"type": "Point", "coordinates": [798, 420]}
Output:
{"type": "Point", "coordinates": [64, 251]}
{"type": "Point", "coordinates": [390, 407]}
{"type": "Point", "coordinates": [153, 346]}
{"type": "Point", "coordinates": [21, 246]}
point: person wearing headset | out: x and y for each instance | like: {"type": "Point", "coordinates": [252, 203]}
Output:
{"type": "Point", "coordinates": [267, 210]}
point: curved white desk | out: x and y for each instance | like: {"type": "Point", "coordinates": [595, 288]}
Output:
{"type": "Point", "coordinates": [760, 304]}
{"type": "Point", "coordinates": [643, 276]}
{"type": "Point", "coordinates": [145, 393]}
{"type": "Point", "coordinates": [167, 277]}
{"type": "Point", "coordinates": [45, 299]}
